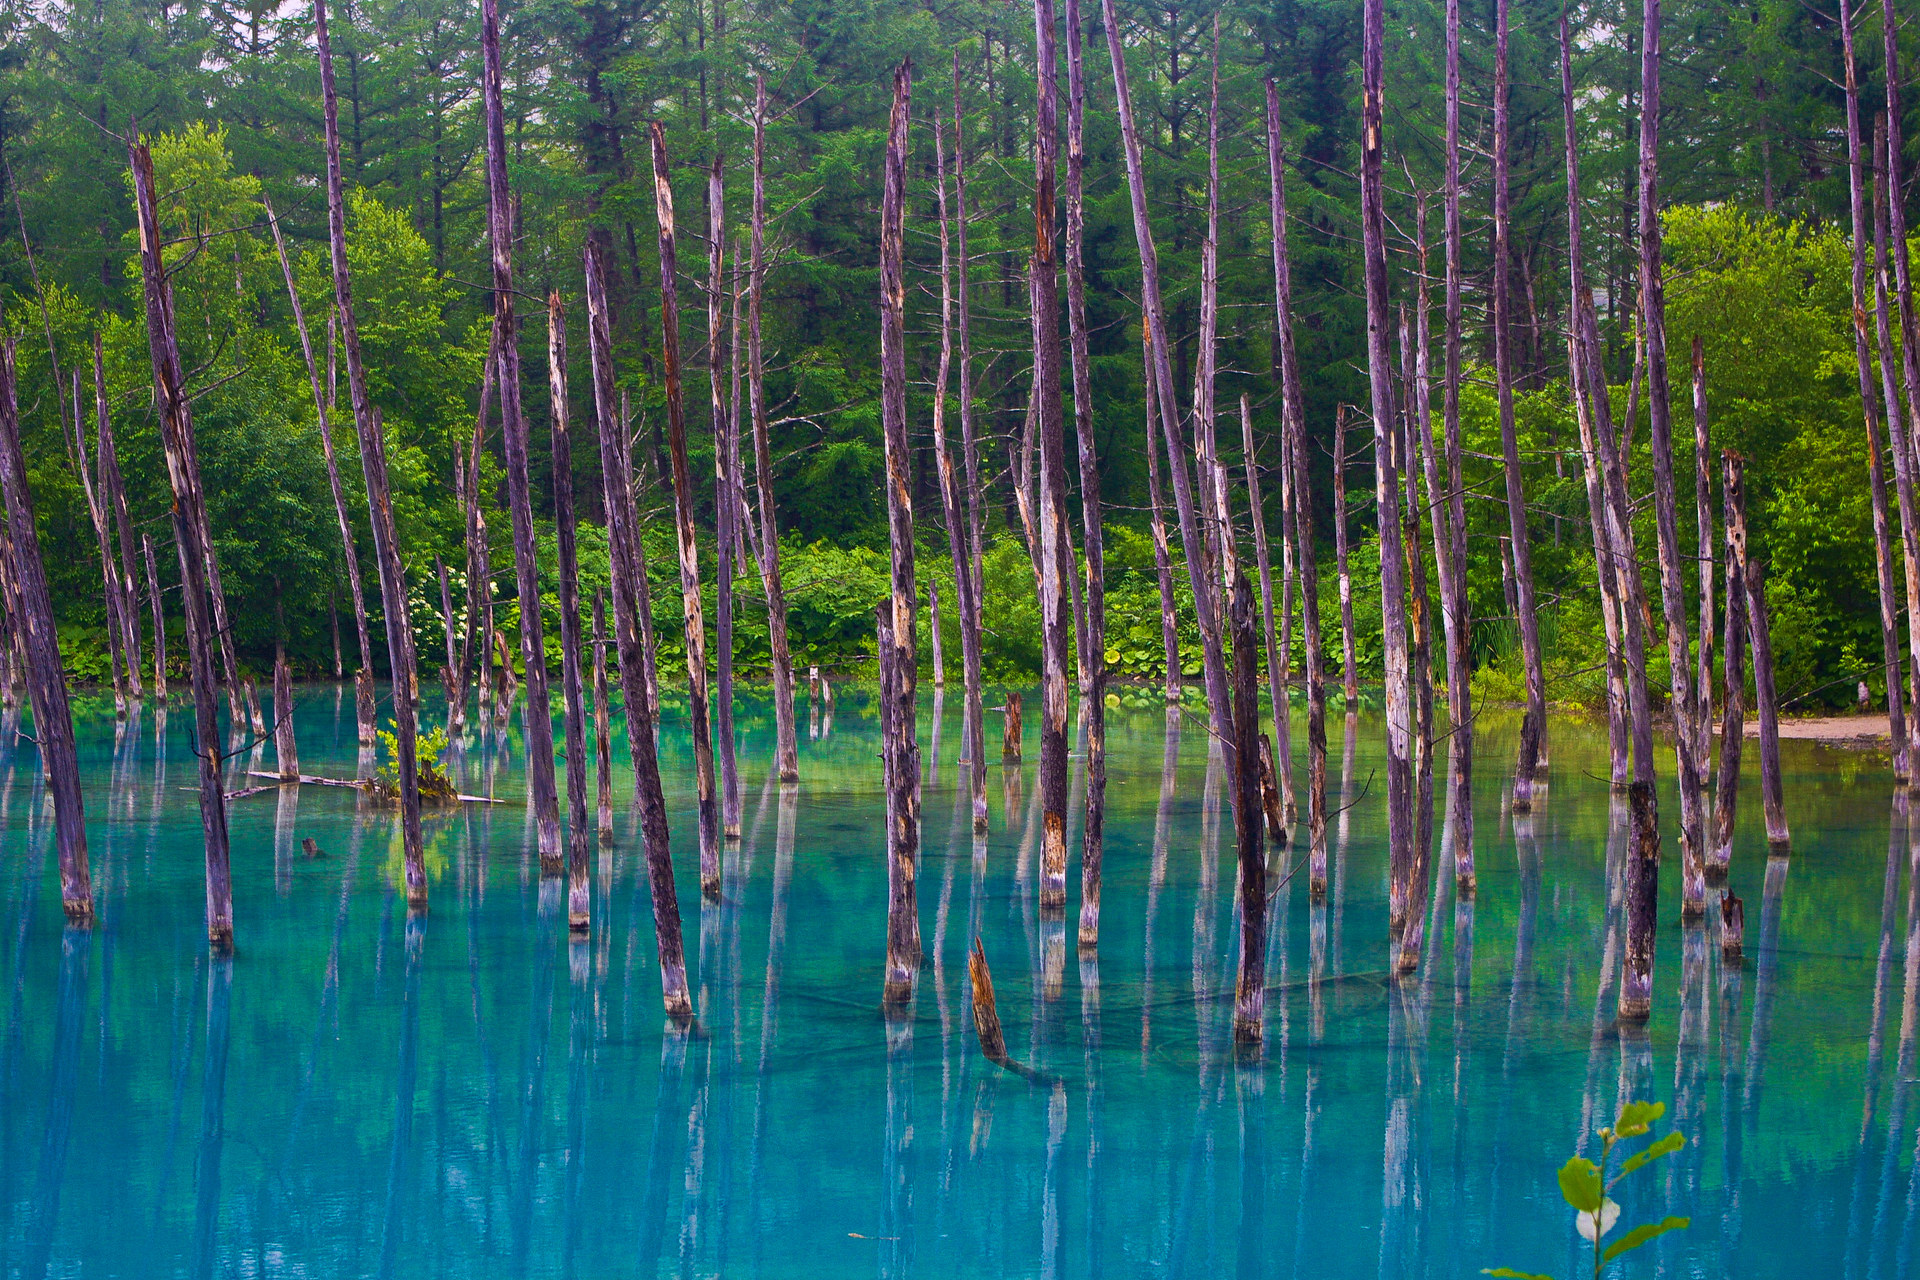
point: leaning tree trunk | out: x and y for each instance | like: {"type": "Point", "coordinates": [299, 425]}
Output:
{"type": "Point", "coordinates": [1056, 557]}
{"type": "Point", "coordinates": [1765, 700]}
{"type": "Point", "coordinates": [1162, 552]}
{"type": "Point", "coordinates": [115, 595]}
{"type": "Point", "coordinates": [901, 747]}
{"type": "Point", "coordinates": [176, 424]}
{"type": "Point", "coordinates": [966, 587]}
{"type": "Point", "coordinates": [579, 842]}
{"type": "Point", "coordinates": [323, 415]}
{"type": "Point", "coordinates": [1863, 360]}
{"type": "Point", "coordinates": [542, 793]}
{"type": "Point", "coordinates": [1294, 421]}
{"type": "Point", "coordinates": [1666, 521]}
{"type": "Point", "coordinates": [623, 533]}
{"type": "Point", "coordinates": [1199, 573]}
{"type": "Point", "coordinates": [1393, 586]}
{"type": "Point", "coordinates": [1093, 824]}
{"type": "Point", "coordinates": [689, 549]}
{"type": "Point", "coordinates": [115, 491]}
{"type": "Point", "coordinates": [1533, 727]}
{"type": "Point", "coordinates": [373, 465]}
{"type": "Point", "coordinates": [46, 680]}
{"type": "Point", "coordinates": [786, 750]}
{"type": "Point", "coordinates": [726, 533]}
{"type": "Point", "coordinates": [602, 721]}
{"type": "Point", "coordinates": [159, 622]}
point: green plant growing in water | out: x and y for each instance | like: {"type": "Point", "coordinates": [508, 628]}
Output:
{"type": "Point", "coordinates": [435, 786]}
{"type": "Point", "coordinates": [1585, 1186]}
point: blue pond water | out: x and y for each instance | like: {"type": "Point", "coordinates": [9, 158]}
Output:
{"type": "Point", "coordinates": [470, 1094]}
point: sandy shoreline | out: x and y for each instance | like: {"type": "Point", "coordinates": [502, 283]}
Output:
{"type": "Point", "coordinates": [1865, 731]}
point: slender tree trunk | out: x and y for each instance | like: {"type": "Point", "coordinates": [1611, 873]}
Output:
{"type": "Point", "coordinates": [542, 793]}
{"type": "Point", "coordinates": [1766, 702]}
{"type": "Point", "coordinates": [1533, 727]}
{"type": "Point", "coordinates": [622, 538]}
{"type": "Point", "coordinates": [46, 680]}
{"type": "Point", "coordinates": [969, 446]}
{"type": "Point", "coordinates": [159, 622]}
{"type": "Point", "coordinates": [1902, 266]}
{"type": "Point", "coordinates": [1733, 657]}
{"type": "Point", "coordinates": [1857, 165]}
{"type": "Point", "coordinates": [1199, 573]}
{"type": "Point", "coordinates": [1393, 585]}
{"type": "Point", "coordinates": [119, 659]}
{"type": "Point", "coordinates": [1350, 677]}
{"type": "Point", "coordinates": [786, 749]}
{"type": "Point", "coordinates": [1460, 662]}
{"type": "Point", "coordinates": [1250, 984]}
{"type": "Point", "coordinates": [322, 408]}
{"type": "Point", "coordinates": [176, 425]}
{"type": "Point", "coordinates": [479, 629]}
{"type": "Point", "coordinates": [1900, 436]}
{"type": "Point", "coordinates": [1162, 552]}
{"type": "Point", "coordinates": [1206, 446]}
{"type": "Point", "coordinates": [602, 720]}
{"type": "Point", "coordinates": [1703, 518]}
{"type": "Point", "coordinates": [285, 748]}
{"type": "Point", "coordinates": [725, 509]}
{"type": "Point", "coordinates": [965, 586]}
{"type": "Point", "coordinates": [373, 463]}
{"type": "Point", "coordinates": [1276, 668]}
{"type": "Point", "coordinates": [689, 548]}
{"type": "Point", "coordinates": [115, 492]}
{"type": "Point", "coordinates": [1642, 875]}
{"type": "Point", "coordinates": [1056, 556]}
{"type": "Point", "coordinates": [1093, 823]}
{"type": "Point", "coordinates": [901, 747]}
{"type": "Point", "coordinates": [579, 842]}
{"type": "Point", "coordinates": [1294, 420]}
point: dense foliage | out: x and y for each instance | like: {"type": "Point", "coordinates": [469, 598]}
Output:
{"type": "Point", "coordinates": [229, 95]}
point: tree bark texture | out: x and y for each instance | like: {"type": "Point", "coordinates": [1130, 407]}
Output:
{"type": "Point", "coordinates": [1250, 982]}
{"type": "Point", "coordinates": [579, 841]}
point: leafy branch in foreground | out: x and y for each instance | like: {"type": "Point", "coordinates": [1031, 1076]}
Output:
{"type": "Point", "coordinates": [1586, 1185]}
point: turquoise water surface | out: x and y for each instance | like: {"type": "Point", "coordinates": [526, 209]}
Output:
{"type": "Point", "coordinates": [468, 1093]}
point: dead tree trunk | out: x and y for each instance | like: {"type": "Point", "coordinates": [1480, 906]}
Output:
{"type": "Point", "coordinates": [1902, 267]}
{"type": "Point", "coordinates": [1533, 727]}
{"type": "Point", "coordinates": [1901, 438]}
{"type": "Point", "coordinates": [1414, 364]}
{"type": "Point", "coordinates": [1703, 519]}
{"type": "Point", "coordinates": [322, 408]}
{"type": "Point", "coordinates": [786, 749]}
{"type": "Point", "coordinates": [1765, 701]}
{"type": "Point", "coordinates": [623, 533]}
{"type": "Point", "coordinates": [1162, 552]}
{"type": "Point", "coordinates": [579, 842]}
{"type": "Point", "coordinates": [46, 679]}
{"type": "Point", "coordinates": [1199, 572]}
{"type": "Point", "coordinates": [1642, 904]}
{"type": "Point", "coordinates": [1276, 669]}
{"type": "Point", "coordinates": [542, 794]}
{"type": "Point", "coordinates": [1350, 679]}
{"type": "Point", "coordinates": [1857, 164]}
{"type": "Point", "coordinates": [1733, 657]}
{"type": "Point", "coordinates": [1294, 421]}
{"type": "Point", "coordinates": [966, 588]}
{"type": "Point", "coordinates": [119, 659]}
{"type": "Point", "coordinates": [1056, 557]}
{"type": "Point", "coordinates": [1093, 823]}
{"type": "Point", "coordinates": [1250, 983]}
{"type": "Point", "coordinates": [115, 493]}
{"type": "Point", "coordinates": [1393, 586]}
{"type": "Point", "coordinates": [1206, 446]}
{"type": "Point", "coordinates": [479, 630]}
{"type": "Point", "coordinates": [689, 548]}
{"type": "Point", "coordinates": [1666, 521]}
{"type": "Point", "coordinates": [726, 532]}
{"type": "Point", "coordinates": [159, 622]}
{"type": "Point", "coordinates": [1460, 655]}
{"type": "Point", "coordinates": [176, 425]}
{"type": "Point", "coordinates": [902, 748]}
{"type": "Point", "coordinates": [602, 720]}
{"type": "Point", "coordinates": [969, 446]}
{"type": "Point", "coordinates": [285, 749]}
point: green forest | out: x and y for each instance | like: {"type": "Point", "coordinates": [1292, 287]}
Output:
{"type": "Point", "coordinates": [1754, 187]}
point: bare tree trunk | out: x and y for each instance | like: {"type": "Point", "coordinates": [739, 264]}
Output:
{"type": "Point", "coordinates": [542, 793]}
{"type": "Point", "coordinates": [1294, 420]}
{"type": "Point", "coordinates": [725, 509]}
{"type": "Point", "coordinates": [965, 586]}
{"type": "Point", "coordinates": [1162, 553]}
{"type": "Point", "coordinates": [373, 465]}
{"type": "Point", "coordinates": [1703, 518]}
{"type": "Point", "coordinates": [1533, 727]}
{"type": "Point", "coordinates": [689, 548]}
{"type": "Point", "coordinates": [622, 537]}
{"type": "Point", "coordinates": [1902, 268]}
{"type": "Point", "coordinates": [1250, 984]}
{"type": "Point", "coordinates": [159, 622]}
{"type": "Point", "coordinates": [1393, 586]}
{"type": "Point", "coordinates": [786, 750]}
{"type": "Point", "coordinates": [1199, 572]}
{"type": "Point", "coordinates": [1642, 904]}
{"type": "Point", "coordinates": [579, 842]}
{"type": "Point", "coordinates": [902, 748]}
{"type": "Point", "coordinates": [118, 658]}
{"type": "Point", "coordinates": [969, 446]}
{"type": "Point", "coordinates": [46, 679]}
{"type": "Point", "coordinates": [1857, 165]}
{"type": "Point", "coordinates": [479, 630]}
{"type": "Point", "coordinates": [1206, 446]}
{"type": "Point", "coordinates": [1056, 557]}
{"type": "Point", "coordinates": [1276, 668]}
{"type": "Point", "coordinates": [1733, 657]}
{"type": "Point", "coordinates": [115, 493]}
{"type": "Point", "coordinates": [1460, 655]}
{"type": "Point", "coordinates": [1766, 702]}
{"type": "Point", "coordinates": [322, 408]}
{"type": "Point", "coordinates": [1414, 364]}
{"type": "Point", "coordinates": [176, 424]}
{"type": "Point", "coordinates": [1093, 822]}
{"type": "Point", "coordinates": [1350, 679]}
{"type": "Point", "coordinates": [1900, 437]}
{"type": "Point", "coordinates": [602, 720]}
{"type": "Point", "coordinates": [285, 748]}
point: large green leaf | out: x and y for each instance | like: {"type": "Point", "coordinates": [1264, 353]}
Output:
{"type": "Point", "coordinates": [1637, 1117]}
{"type": "Point", "coordinates": [1666, 1146]}
{"type": "Point", "coordinates": [1580, 1184]}
{"type": "Point", "coordinates": [1640, 1235]}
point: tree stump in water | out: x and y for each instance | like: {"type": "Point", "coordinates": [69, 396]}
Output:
{"type": "Point", "coordinates": [1010, 733]}
{"type": "Point", "coordinates": [1733, 926]}
{"type": "Point", "coordinates": [986, 1019]}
